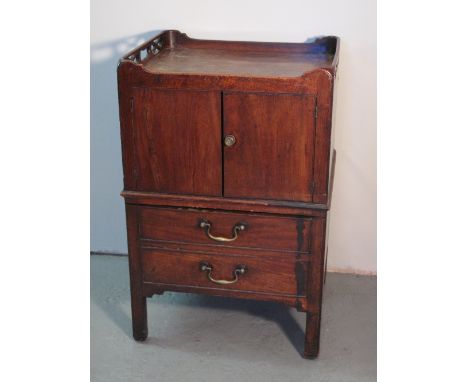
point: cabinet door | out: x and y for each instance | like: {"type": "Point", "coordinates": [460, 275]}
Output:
{"type": "Point", "coordinates": [273, 153]}
{"type": "Point", "coordinates": [177, 137]}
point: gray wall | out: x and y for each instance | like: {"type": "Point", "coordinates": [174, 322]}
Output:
{"type": "Point", "coordinates": [118, 25]}
{"type": "Point", "coordinates": [108, 232]}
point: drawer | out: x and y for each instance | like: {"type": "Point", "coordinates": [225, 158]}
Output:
{"type": "Point", "coordinates": [241, 230]}
{"type": "Point", "coordinates": [280, 275]}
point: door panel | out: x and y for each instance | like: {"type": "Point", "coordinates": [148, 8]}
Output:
{"type": "Point", "coordinates": [177, 141]}
{"type": "Point", "coordinates": [272, 157]}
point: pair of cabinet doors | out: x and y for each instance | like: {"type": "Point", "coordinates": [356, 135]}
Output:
{"type": "Point", "coordinates": [179, 143]}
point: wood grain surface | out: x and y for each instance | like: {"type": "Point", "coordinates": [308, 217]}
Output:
{"type": "Point", "coordinates": [179, 98]}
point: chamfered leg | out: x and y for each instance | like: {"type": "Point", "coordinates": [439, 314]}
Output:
{"type": "Point", "coordinates": [138, 300]}
{"type": "Point", "coordinates": [139, 318]}
{"type": "Point", "coordinates": [315, 288]}
{"type": "Point", "coordinates": [312, 335]}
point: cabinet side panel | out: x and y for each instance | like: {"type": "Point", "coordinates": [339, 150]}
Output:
{"type": "Point", "coordinates": [126, 129]}
{"type": "Point", "coordinates": [323, 137]}
{"type": "Point", "coordinates": [177, 141]}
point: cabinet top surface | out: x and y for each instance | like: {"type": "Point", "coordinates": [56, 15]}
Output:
{"type": "Point", "coordinates": [172, 52]}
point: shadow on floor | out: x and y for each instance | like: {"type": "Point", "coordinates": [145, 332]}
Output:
{"type": "Point", "coordinates": [112, 303]}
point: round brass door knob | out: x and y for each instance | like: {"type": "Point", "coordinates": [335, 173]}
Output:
{"type": "Point", "coordinates": [229, 140]}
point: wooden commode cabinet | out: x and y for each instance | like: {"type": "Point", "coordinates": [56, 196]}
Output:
{"type": "Point", "coordinates": [228, 170]}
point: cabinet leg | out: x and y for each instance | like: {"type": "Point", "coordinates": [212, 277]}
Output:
{"type": "Point", "coordinates": [312, 335]}
{"type": "Point", "coordinates": [139, 318]}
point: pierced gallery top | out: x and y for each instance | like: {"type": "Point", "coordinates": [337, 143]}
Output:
{"type": "Point", "coordinates": [228, 168]}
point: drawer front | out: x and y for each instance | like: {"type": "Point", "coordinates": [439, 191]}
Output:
{"type": "Point", "coordinates": [225, 229]}
{"type": "Point", "coordinates": [281, 275]}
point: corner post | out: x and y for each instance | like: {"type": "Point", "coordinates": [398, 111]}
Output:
{"type": "Point", "coordinates": [315, 287]}
{"type": "Point", "coordinates": [138, 300]}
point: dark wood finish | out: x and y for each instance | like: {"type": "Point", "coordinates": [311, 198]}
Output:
{"type": "Point", "coordinates": [323, 138]}
{"type": "Point", "coordinates": [274, 154]}
{"type": "Point", "coordinates": [264, 275]}
{"type": "Point", "coordinates": [196, 60]}
{"type": "Point", "coordinates": [221, 249]}
{"type": "Point", "coordinates": [286, 234]}
{"type": "Point", "coordinates": [138, 300]}
{"type": "Point", "coordinates": [177, 139]}
{"type": "Point", "coordinates": [300, 303]}
{"type": "Point", "coordinates": [179, 98]}
{"type": "Point", "coordinates": [230, 204]}
{"type": "Point", "coordinates": [179, 54]}
{"type": "Point", "coordinates": [315, 283]}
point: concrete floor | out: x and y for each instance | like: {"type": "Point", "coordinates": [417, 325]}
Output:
{"type": "Point", "coordinates": [201, 338]}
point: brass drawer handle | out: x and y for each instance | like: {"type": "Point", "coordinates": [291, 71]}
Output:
{"type": "Point", "coordinates": [235, 230]}
{"type": "Point", "coordinates": [238, 270]}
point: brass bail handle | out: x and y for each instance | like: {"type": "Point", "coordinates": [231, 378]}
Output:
{"type": "Point", "coordinates": [238, 270]}
{"type": "Point", "coordinates": [206, 224]}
